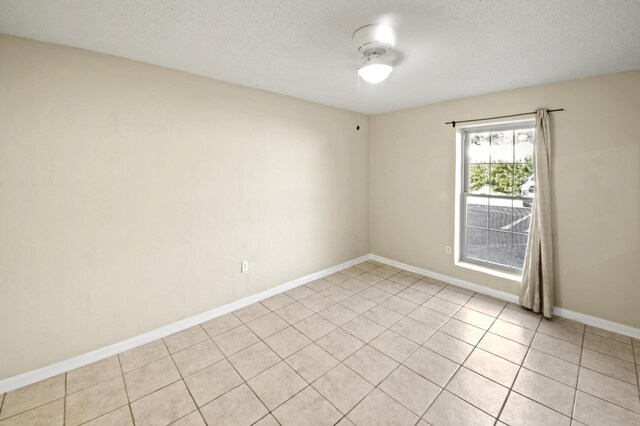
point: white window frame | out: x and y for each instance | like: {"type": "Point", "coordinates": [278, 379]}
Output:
{"type": "Point", "coordinates": [460, 260]}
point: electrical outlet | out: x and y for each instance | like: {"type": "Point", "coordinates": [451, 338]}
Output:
{"type": "Point", "coordinates": [447, 249]}
{"type": "Point", "coordinates": [244, 266]}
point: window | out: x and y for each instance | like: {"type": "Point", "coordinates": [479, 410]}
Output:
{"type": "Point", "coordinates": [496, 195]}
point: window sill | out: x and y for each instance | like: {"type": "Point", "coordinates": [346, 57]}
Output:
{"type": "Point", "coordinates": [512, 276]}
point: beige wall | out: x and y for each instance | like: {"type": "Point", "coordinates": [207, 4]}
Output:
{"type": "Point", "coordinates": [130, 193]}
{"type": "Point", "coordinates": [596, 174]}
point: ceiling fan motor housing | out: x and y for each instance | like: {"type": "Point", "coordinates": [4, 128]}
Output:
{"type": "Point", "coordinates": [373, 39]}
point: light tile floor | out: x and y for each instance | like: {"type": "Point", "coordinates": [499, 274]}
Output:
{"type": "Point", "coordinates": [369, 345]}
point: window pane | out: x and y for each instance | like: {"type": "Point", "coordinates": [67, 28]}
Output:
{"type": "Point", "coordinates": [524, 146]}
{"type": "Point", "coordinates": [499, 248]}
{"type": "Point", "coordinates": [502, 179]}
{"type": "Point", "coordinates": [477, 208]}
{"type": "Point", "coordinates": [521, 216]}
{"type": "Point", "coordinates": [523, 175]}
{"type": "Point", "coordinates": [478, 175]}
{"type": "Point", "coordinates": [502, 147]}
{"type": "Point", "coordinates": [500, 216]}
{"type": "Point", "coordinates": [519, 250]}
{"type": "Point", "coordinates": [479, 147]}
{"type": "Point", "coordinates": [476, 243]}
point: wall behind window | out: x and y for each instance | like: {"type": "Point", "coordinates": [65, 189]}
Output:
{"type": "Point", "coordinates": [596, 174]}
{"type": "Point", "coordinates": [130, 193]}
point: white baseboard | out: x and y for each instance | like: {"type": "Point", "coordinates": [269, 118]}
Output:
{"type": "Point", "coordinates": [508, 297]}
{"type": "Point", "coordinates": [616, 327]}
{"type": "Point", "coordinates": [51, 370]}
{"type": "Point", "coordinates": [502, 295]}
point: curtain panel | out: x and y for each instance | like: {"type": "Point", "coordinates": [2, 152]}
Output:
{"type": "Point", "coordinates": [536, 292]}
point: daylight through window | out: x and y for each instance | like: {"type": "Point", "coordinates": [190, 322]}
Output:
{"type": "Point", "coordinates": [498, 186]}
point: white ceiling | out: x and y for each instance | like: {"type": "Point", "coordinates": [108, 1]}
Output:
{"type": "Point", "coordinates": [446, 49]}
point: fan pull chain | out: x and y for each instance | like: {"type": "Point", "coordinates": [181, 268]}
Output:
{"type": "Point", "coordinates": [358, 102]}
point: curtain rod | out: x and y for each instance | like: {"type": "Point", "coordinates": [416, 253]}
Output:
{"type": "Point", "coordinates": [453, 123]}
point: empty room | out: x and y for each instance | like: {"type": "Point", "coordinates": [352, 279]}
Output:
{"type": "Point", "coordinates": [417, 212]}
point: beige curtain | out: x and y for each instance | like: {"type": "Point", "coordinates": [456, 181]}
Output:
{"type": "Point", "coordinates": [537, 277]}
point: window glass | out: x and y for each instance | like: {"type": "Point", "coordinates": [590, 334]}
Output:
{"type": "Point", "coordinates": [502, 147]}
{"type": "Point", "coordinates": [498, 189]}
{"type": "Point", "coordinates": [523, 146]}
{"type": "Point", "coordinates": [478, 182]}
{"type": "Point", "coordinates": [476, 247]}
{"type": "Point", "coordinates": [479, 147]}
{"type": "Point", "coordinates": [477, 211]}
{"type": "Point", "coordinates": [500, 214]}
{"type": "Point", "coordinates": [499, 248]}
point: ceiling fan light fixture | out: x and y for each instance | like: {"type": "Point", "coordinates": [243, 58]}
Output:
{"type": "Point", "coordinates": [373, 42]}
{"type": "Point", "coordinates": [374, 69]}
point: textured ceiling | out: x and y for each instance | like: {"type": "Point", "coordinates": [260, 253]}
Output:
{"type": "Point", "coordinates": [446, 49]}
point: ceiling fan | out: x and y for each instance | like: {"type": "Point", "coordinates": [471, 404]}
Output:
{"type": "Point", "coordinates": [373, 42]}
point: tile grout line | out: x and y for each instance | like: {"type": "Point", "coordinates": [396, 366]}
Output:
{"type": "Point", "coordinates": [540, 350]}
{"type": "Point", "coordinates": [264, 417]}
{"type": "Point", "coordinates": [129, 401]}
{"type": "Point", "coordinates": [182, 377]}
{"type": "Point", "coordinates": [604, 374]}
{"type": "Point", "coordinates": [518, 374]}
{"type": "Point", "coordinates": [635, 360]}
{"type": "Point", "coordinates": [461, 365]}
{"type": "Point", "coordinates": [442, 389]}
{"type": "Point", "coordinates": [368, 343]}
{"type": "Point", "coordinates": [364, 344]}
{"type": "Point", "coordinates": [610, 403]}
{"type": "Point", "coordinates": [575, 395]}
{"type": "Point", "coordinates": [375, 387]}
{"type": "Point", "coordinates": [421, 345]}
{"type": "Point", "coordinates": [289, 325]}
{"type": "Point", "coordinates": [133, 420]}
{"type": "Point", "coordinates": [580, 367]}
{"type": "Point", "coordinates": [260, 340]}
{"type": "Point", "coordinates": [497, 418]}
{"type": "Point", "coordinates": [32, 408]}
{"type": "Point", "coordinates": [393, 370]}
{"type": "Point", "coordinates": [125, 388]}
{"type": "Point", "coordinates": [605, 400]}
{"type": "Point", "coordinates": [574, 387]}
{"type": "Point", "coordinates": [339, 327]}
{"type": "Point", "coordinates": [64, 402]}
{"type": "Point", "coordinates": [245, 382]}
{"type": "Point", "coordinates": [609, 354]}
{"type": "Point", "coordinates": [224, 358]}
{"type": "Point", "coordinates": [339, 361]}
{"type": "Point", "coordinates": [562, 383]}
